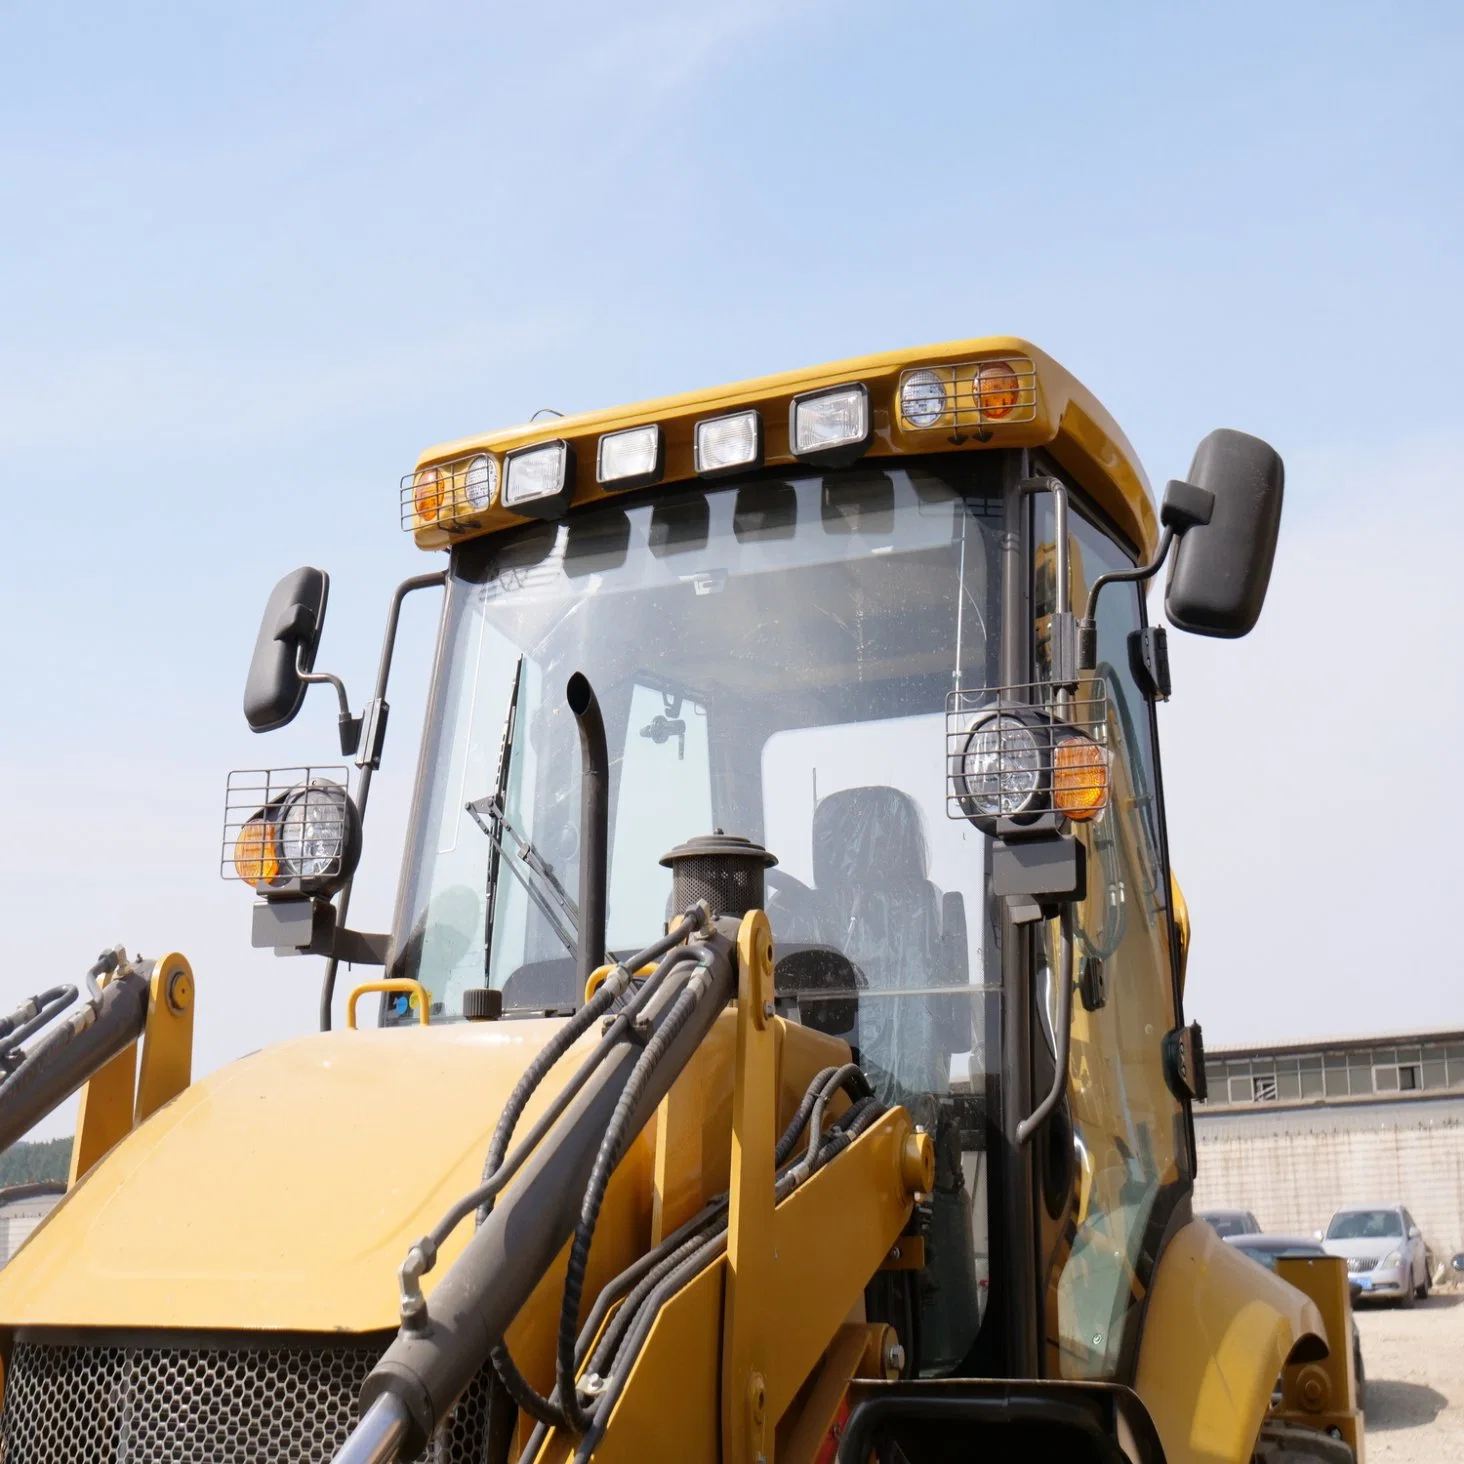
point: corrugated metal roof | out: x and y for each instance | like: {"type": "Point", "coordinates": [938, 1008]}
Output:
{"type": "Point", "coordinates": [1337, 1044]}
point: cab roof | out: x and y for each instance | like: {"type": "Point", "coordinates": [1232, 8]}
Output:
{"type": "Point", "coordinates": [1051, 410]}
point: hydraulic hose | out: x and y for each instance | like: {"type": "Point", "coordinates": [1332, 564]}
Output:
{"type": "Point", "coordinates": [612, 1146]}
{"type": "Point", "coordinates": [849, 1073]}
{"type": "Point", "coordinates": [551, 1410]}
{"type": "Point", "coordinates": [428, 1366]}
{"type": "Point", "coordinates": [498, 1171]}
{"type": "Point", "coordinates": [643, 1276]}
{"type": "Point", "coordinates": [594, 823]}
{"type": "Point", "coordinates": [70, 1053]}
{"type": "Point", "coordinates": [28, 1018]}
{"type": "Point", "coordinates": [617, 1361]}
{"type": "Point", "coordinates": [580, 1023]}
{"type": "Point", "coordinates": [519, 1389]}
{"type": "Point", "coordinates": [639, 1277]}
{"type": "Point", "coordinates": [713, 1211]}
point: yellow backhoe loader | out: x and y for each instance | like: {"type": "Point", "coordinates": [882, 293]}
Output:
{"type": "Point", "coordinates": [779, 1049]}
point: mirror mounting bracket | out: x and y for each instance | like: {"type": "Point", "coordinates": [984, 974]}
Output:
{"type": "Point", "coordinates": [1185, 507]}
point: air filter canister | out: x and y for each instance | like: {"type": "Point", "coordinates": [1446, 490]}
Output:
{"type": "Point", "coordinates": [723, 869]}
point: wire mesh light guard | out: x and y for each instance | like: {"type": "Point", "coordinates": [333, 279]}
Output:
{"type": "Point", "coordinates": [1045, 749]}
{"type": "Point", "coordinates": [255, 791]}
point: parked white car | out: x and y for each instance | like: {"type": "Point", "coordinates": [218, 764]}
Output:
{"type": "Point", "coordinates": [1383, 1248]}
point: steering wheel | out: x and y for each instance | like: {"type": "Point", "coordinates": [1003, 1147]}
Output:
{"type": "Point", "coordinates": [779, 880]}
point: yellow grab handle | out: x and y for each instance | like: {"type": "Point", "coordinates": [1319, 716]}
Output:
{"type": "Point", "coordinates": [422, 1001]}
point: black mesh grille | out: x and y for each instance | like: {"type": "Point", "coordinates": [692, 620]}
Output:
{"type": "Point", "coordinates": [729, 886]}
{"type": "Point", "coordinates": [77, 1404]}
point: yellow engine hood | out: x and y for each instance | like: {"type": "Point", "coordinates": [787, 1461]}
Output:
{"type": "Point", "coordinates": [282, 1192]}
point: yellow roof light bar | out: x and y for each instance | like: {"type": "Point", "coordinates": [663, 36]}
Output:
{"type": "Point", "coordinates": [996, 392]}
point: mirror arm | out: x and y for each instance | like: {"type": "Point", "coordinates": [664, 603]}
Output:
{"type": "Point", "coordinates": [349, 726]}
{"type": "Point", "coordinates": [1088, 625]}
{"type": "Point", "coordinates": [1185, 507]}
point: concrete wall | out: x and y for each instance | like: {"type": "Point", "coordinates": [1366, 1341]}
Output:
{"type": "Point", "coordinates": [1294, 1167]}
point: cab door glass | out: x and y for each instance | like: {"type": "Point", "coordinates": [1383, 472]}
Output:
{"type": "Point", "coordinates": [1128, 1129]}
{"type": "Point", "coordinates": [872, 866]}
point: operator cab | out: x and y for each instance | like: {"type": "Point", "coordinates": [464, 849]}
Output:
{"type": "Point", "coordinates": [854, 643]}
{"type": "Point", "coordinates": [773, 657]}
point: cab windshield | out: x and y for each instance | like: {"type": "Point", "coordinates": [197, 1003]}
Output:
{"type": "Point", "coordinates": [772, 658]}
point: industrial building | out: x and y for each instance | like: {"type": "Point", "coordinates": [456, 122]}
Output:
{"type": "Point", "coordinates": [1293, 1131]}
{"type": "Point", "coordinates": [22, 1208]}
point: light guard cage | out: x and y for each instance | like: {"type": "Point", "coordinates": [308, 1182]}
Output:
{"type": "Point", "coordinates": [445, 493]}
{"type": "Point", "coordinates": [252, 791]}
{"type": "Point", "coordinates": [974, 394]}
{"type": "Point", "coordinates": [1061, 712]}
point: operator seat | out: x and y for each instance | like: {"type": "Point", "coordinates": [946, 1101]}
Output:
{"type": "Point", "coordinates": [876, 905]}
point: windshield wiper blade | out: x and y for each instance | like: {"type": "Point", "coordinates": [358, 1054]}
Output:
{"type": "Point", "coordinates": [499, 796]}
{"type": "Point", "coordinates": [491, 815]}
{"type": "Point", "coordinates": [563, 913]}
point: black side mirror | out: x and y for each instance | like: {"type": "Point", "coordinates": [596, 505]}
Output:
{"type": "Point", "coordinates": [288, 637]}
{"type": "Point", "coordinates": [1217, 582]}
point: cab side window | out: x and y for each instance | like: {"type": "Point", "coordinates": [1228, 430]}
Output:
{"type": "Point", "coordinates": [1129, 1136]}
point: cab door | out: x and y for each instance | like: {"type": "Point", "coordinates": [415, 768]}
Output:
{"type": "Point", "coordinates": [1117, 1160]}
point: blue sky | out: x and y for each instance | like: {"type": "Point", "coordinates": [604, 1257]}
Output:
{"type": "Point", "coordinates": [255, 258]}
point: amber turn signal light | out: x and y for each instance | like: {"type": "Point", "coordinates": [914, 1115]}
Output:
{"type": "Point", "coordinates": [996, 389]}
{"type": "Point", "coordinates": [1079, 778]}
{"type": "Point", "coordinates": [256, 860]}
{"type": "Point", "coordinates": [427, 494]}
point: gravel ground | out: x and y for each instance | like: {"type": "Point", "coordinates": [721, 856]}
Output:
{"type": "Point", "coordinates": [1414, 1362]}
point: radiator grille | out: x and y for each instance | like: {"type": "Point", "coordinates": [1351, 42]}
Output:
{"type": "Point", "coordinates": [1361, 1263]}
{"type": "Point", "coordinates": [289, 1403]}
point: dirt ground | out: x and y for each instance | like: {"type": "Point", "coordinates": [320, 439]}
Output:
{"type": "Point", "coordinates": [1414, 1361]}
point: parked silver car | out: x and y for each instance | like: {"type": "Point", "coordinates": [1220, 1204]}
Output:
{"type": "Point", "coordinates": [1383, 1248]}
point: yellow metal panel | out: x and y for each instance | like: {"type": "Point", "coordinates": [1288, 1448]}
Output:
{"type": "Point", "coordinates": [167, 1043]}
{"type": "Point", "coordinates": [746, 1344]}
{"type": "Point", "coordinates": [1217, 1332]}
{"type": "Point", "coordinates": [1323, 1394]}
{"type": "Point", "coordinates": [1182, 920]}
{"type": "Point", "coordinates": [673, 1412]}
{"type": "Point", "coordinates": [687, 1132]}
{"type": "Point", "coordinates": [804, 1436]}
{"type": "Point", "coordinates": [1068, 419]}
{"type": "Point", "coordinates": [288, 1185]}
{"type": "Point", "coordinates": [829, 1236]}
{"type": "Point", "coordinates": [105, 1116]}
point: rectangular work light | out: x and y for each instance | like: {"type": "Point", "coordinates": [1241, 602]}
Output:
{"type": "Point", "coordinates": [632, 458]}
{"type": "Point", "coordinates": [728, 444]}
{"type": "Point", "coordinates": [830, 426]}
{"type": "Point", "coordinates": [538, 481]}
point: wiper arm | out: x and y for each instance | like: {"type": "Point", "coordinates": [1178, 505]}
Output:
{"type": "Point", "coordinates": [490, 816]}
